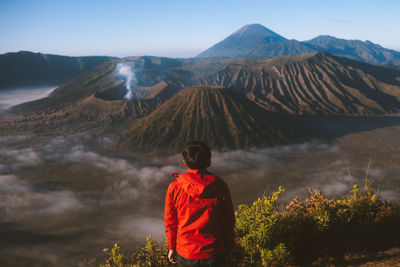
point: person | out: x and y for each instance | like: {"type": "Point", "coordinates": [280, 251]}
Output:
{"type": "Point", "coordinates": [199, 218]}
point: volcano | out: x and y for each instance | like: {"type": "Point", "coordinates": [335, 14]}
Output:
{"type": "Point", "coordinates": [92, 101]}
{"type": "Point", "coordinates": [221, 117]}
{"type": "Point", "coordinates": [310, 84]}
{"type": "Point", "coordinates": [244, 42]}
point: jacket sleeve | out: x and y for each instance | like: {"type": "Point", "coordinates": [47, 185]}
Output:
{"type": "Point", "coordinates": [228, 219]}
{"type": "Point", "coordinates": [170, 218]}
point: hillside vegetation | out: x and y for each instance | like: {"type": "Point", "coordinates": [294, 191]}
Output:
{"type": "Point", "coordinates": [316, 230]}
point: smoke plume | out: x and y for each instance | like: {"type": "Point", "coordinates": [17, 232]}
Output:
{"type": "Point", "coordinates": [126, 71]}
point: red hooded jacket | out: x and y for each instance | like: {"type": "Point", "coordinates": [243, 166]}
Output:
{"type": "Point", "coordinates": [198, 215]}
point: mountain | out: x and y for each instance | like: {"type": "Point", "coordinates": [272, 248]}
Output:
{"type": "Point", "coordinates": [84, 103]}
{"type": "Point", "coordinates": [289, 47]}
{"type": "Point", "coordinates": [93, 101]}
{"type": "Point", "coordinates": [356, 49]}
{"type": "Point", "coordinates": [155, 77]}
{"type": "Point", "coordinates": [36, 69]}
{"type": "Point", "coordinates": [222, 117]}
{"type": "Point", "coordinates": [314, 84]}
{"type": "Point", "coordinates": [308, 84]}
{"type": "Point", "coordinates": [246, 41]}
{"type": "Point", "coordinates": [256, 41]}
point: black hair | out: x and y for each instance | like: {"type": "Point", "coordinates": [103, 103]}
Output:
{"type": "Point", "coordinates": [197, 155]}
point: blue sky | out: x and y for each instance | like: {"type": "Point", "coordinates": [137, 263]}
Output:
{"type": "Point", "coordinates": [183, 28]}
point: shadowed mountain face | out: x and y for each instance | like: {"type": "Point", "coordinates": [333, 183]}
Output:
{"type": "Point", "coordinates": [221, 117]}
{"type": "Point", "coordinates": [33, 69]}
{"type": "Point", "coordinates": [313, 84]}
{"type": "Point", "coordinates": [257, 41]}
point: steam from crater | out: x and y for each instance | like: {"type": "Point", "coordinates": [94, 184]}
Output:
{"type": "Point", "coordinates": [126, 71]}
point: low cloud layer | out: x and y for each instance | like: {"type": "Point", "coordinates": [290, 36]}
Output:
{"type": "Point", "coordinates": [65, 185]}
{"type": "Point", "coordinates": [15, 96]}
{"type": "Point", "coordinates": [20, 200]}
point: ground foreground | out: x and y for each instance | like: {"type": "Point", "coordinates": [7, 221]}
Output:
{"type": "Point", "coordinates": [357, 230]}
{"type": "Point", "coordinates": [390, 257]}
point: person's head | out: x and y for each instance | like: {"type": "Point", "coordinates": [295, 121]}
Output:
{"type": "Point", "coordinates": [197, 155]}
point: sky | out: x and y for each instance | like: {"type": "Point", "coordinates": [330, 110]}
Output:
{"type": "Point", "coordinates": [183, 28]}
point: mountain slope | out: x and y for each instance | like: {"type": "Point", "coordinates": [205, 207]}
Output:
{"type": "Point", "coordinates": [356, 49]}
{"type": "Point", "coordinates": [81, 105]}
{"type": "Point", "coordinates": [313, 84]}
{"type": "Point", "coordinates": [244, 41]}
{"type": "Point", "coordinates": [257, 41]}
{"type": "Point", "coordinates": [289, 47]}
{"type": "Point", "coordinates": [221, 117]}
{"type": "Point", "coordinates": [35, 69]}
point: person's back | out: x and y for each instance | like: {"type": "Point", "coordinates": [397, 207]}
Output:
{"type": "Point", "coordinates": [199, 219]}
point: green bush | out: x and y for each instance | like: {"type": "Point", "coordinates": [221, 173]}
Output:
{"type": "Point", "coordinates": [318, 228]}
{"type": "Point", "coordinates": [151, 255]}
{"type": "Point", "coordinates": [114, 258]}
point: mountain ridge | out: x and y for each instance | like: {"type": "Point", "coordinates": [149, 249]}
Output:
{"type": "Point", "coordinates": [241, 44]}
{"type": "Point", "coordinates": [366, 51]}
{"type": "Point", "coordinates": [309, 84]}
{"type": "Point", "coordinates": [313, 84]}
{"type": "Point", "coordinates": [26, 68]}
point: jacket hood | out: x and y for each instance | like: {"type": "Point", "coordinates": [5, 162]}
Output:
{"type": "Point", "coordinates": [196, 182]}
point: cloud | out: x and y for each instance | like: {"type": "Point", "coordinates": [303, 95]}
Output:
{"type": "Point", "coordinates": [137, 178]}
{"type": "Point", "coordinates": [116, 198]}
{"type": "Point", "coordinates": [40, 255]}
{"type": "Point", "coordinates": [140, 227]}
{"type": "Point", "coordinates": [14, 96]}
{"type": "Point", "coordinates": [132, 179]}
{"type": "Point", "coordinates": [11, 139]}
{"type": "Point", "coordinates": [16, 158]}
{"type": "Point", "coordinates": [144, 176]}
{"type": "Point", "coordinates": [20, 200]}
{"type": "Point", "coordinates": [340, 21]}
{"type": "Point", "coordinates": [265, 157]}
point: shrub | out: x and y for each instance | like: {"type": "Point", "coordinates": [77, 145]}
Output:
{"type": "Point", "coordinates": [113, 258]}
{"type": "Point", "coordinates": [268, 234]}
{"type": "Point", "coordinates": [151, 255]}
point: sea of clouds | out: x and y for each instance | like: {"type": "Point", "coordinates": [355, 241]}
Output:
{"type": "Point", "coordinates": [125, 201]}
{"type": "Point", "coordinates": [14, 96]}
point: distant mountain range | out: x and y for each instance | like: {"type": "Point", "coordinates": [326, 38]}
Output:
{"type": "Point", "coordinates": [256, 40]}
{"type": "Point", "coordinates": [231, 96]}
{"type": "Point", "coordinates": [251, 41]}
{"type": "Point", "coordinates": [262, 106]}
{"type": "Point", "coordinates": [36, 69]}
